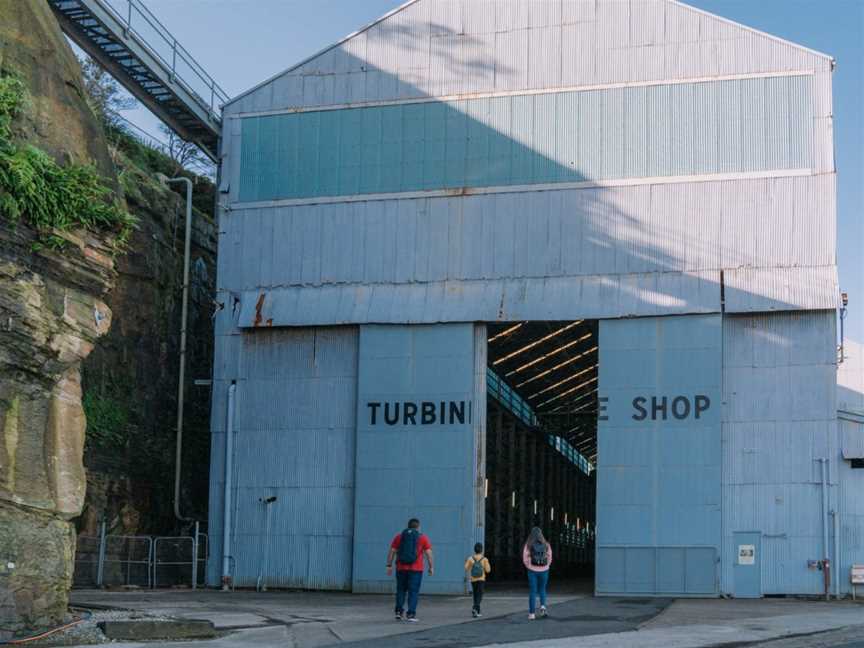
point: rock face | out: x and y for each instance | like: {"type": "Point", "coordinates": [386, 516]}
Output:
{"type": "Point", "coordinates": [130, 379]}
{"type": "Point", "coordinates": [52, 311]}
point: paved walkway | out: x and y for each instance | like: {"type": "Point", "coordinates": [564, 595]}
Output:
{"type": "Point", "coordinates": [315, 620]}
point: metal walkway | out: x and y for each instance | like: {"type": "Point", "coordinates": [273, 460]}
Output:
{"type": "Point", "coordinates": [130, 42]}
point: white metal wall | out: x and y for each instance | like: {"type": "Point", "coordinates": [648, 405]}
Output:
{"type": "Point", "coordinates": [448, 47]}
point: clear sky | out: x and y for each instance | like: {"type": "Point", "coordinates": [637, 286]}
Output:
{"type": "Point", "coordinates": [243, 42]}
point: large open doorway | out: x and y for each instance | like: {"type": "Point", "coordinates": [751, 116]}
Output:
{"type": "Point", "coordinates": [541, 444]}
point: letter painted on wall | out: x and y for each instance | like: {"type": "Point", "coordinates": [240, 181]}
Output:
{"type": "Point", "coordinates": [413, 413]}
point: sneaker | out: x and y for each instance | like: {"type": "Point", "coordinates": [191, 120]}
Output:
{"type": "Point", "coordinates": [479, 614]}
{"type": "Point", "coordinates": [398, 616]}
{"type": "Point", "coordinates": [543, 611]}
{"type": "Point", "coordinates": [474, 613]}
{"type": "Point", "coordinates": [412, 619]}
{"type": "Point", "coordinates": [531, 616]}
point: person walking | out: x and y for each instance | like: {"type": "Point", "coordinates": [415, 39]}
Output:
{"type": "Point", "coordinates": [408, 548]}
{"type": "Point", "coordinates": [477, 566]}
{"type": "Point", "coordinates": [537, 558]}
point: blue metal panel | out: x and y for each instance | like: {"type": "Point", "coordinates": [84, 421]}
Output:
{"type": "Point", "coordinates": [407, 466]}
{"type": "Point", "coordinates": [747, 562]}
{"type": "Point", "coordinates": [440, 145]}
{"type": "Point", "coordinates": [779, 421]}
{"type": "Point", "coordinates": [658, 468]}
{"type": "Point", "coordinates": [294, 439]}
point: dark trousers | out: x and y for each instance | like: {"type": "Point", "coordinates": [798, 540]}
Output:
{"type": "Point", "coordinates": [408, 583]}
{"type": "Point", "coordinates": [477, 592]}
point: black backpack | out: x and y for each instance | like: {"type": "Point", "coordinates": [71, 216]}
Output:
{"type": "Point", "coordinates": [408, 547]}
{"type": "Point", "coordinates": [477, 569]}
{"type": "Point", "coordinates": [538, 554]}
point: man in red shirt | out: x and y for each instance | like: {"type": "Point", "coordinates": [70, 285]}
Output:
{"type": "Point", "coordinates": [408, 548]}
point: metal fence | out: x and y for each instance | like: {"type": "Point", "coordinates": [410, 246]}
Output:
{"type": "Point", "coordinates": [140, 561]}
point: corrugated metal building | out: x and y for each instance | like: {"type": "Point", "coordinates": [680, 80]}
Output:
{"type": "Point", "coordinates": [485, 256]}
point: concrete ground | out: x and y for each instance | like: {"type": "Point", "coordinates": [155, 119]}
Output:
{"type": "Point", "coordinates": [578, 620]}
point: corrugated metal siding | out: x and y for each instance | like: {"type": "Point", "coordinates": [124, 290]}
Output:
{"type": "Point", "coordinates": [754, 290]}
{"type": "Point", "coordinates": [294, 439]}
{"type": "Point", "coordinates": [779, 419]}
{"type": "Point", "coordinates": [550, 138]}
{"type": "Point", "coordinates": [638, 40]}
{"type": "Point", "coordinates": [660, 228]}
{"type": "Point", "coordinates": [564, 298]}
{"type": "Point", "coordinates": [422, 470]}
{"type": "Point", "coordinates": [850, 378]}
{"type": "Point", "coordinates": [658, 480]}
{"type": "Point", "coordinates": [850, 504]}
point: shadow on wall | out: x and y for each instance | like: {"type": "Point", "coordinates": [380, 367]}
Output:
{"type": "Point", "coordinates": [641, 232]}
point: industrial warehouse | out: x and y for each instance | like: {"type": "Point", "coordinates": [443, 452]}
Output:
{"type": "Point", "coordinates": [568, 264]}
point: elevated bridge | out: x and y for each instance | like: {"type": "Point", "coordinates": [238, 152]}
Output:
{"type": "Point", "coordinates": [125, 38]}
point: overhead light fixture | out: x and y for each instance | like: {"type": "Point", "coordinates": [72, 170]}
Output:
{"type": "Point", "coordinates": [505, 332]}
{"type": "Point", "coordinates": [560, 365]}
{"type": "Point", "coordinates": [530, 346]}
{"type": "Point", "coordinates": [546, 356]}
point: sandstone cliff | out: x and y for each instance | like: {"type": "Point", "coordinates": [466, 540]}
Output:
{"type": "Point", "coordinates": [52, 311]}
{"type": "Point", "coordinates": [86, 311]}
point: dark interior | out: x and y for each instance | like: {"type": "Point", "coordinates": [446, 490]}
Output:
{"type": "Point", "coordinates": [541, 443]}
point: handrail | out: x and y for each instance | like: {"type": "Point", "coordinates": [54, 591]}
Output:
{"type": "Point", "coordinates": [505, 395]}
{"type": "Point", "coordinates": [125, 10]}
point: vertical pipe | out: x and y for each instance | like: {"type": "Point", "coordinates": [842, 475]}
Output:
{"type": "Point", "coordinates": [187, 248]}
{"type": "Point", "coordinates": [226, 496]}
{"type": "Point", "coordinates": [195, 557]}
{"type": "Point", "coordinates": [825, 563]}
{"type": "Point", "coordinates": [100, 568]}
{"type": "Point", "coordinates": [836, 517]}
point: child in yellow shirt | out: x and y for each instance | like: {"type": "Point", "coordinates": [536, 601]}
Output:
{"type": "Point", "coordinates": [476, 567]}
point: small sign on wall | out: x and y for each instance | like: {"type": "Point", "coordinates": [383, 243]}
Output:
{"type": "Point", "coordinates": [857, 575]}
{"type": "Point", "coordinates": [746, 554]}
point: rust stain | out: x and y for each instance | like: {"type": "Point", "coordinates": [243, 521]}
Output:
{"type": "Point", "coordinates": [270, 322]}
{"type": "Point", "coordinates": [258, 306]}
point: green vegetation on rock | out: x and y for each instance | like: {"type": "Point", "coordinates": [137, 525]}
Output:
{"type": "Point", "coordinates": [107, 418]}
{"type": "Point", "coordinates": [48, 197]}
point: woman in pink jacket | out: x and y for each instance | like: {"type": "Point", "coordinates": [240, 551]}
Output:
{"type": "Point", "coordinates": [537, 558]}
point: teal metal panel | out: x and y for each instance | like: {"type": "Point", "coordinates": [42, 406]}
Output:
{"type": "Point", "coordinates": [681, 129]}
{"type": "Point", "coordinates": [659, 454]}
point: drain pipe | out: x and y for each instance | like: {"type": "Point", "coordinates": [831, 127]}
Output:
{"type": "Point", "coordinates": [226, 495]}
{"type": "Point", "coordinates": [826, 564]}
{"type": "Point", "coordinates": [187, 248]}
{"type": "Point", "coordinates": [836, 518]}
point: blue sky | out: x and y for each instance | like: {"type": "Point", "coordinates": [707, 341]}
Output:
{"type": "Point", "coordinates": [243, 42]}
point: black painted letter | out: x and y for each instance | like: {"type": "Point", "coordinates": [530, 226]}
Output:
{"type": "Point", "coordinates": [409, 413]}
{"type": "Point", "coordinates": [638, 402]}
{"type": "Point", "coordinates": [702, 404]}
{"type": "Point", "coordinates": [457, 412]}
{"type": "Point", "coordinates": [391, 420]}
{"type": "Point", "coordinates": [601, 408]}
{"type": "Point", "coordinates": [374, 407]}
{"type": "Point", "coordinates": [658, 408]}
{"type": "Point", "coordinates": [675, 412]}
{"type": "Point", "coordinates": [427, 413]}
